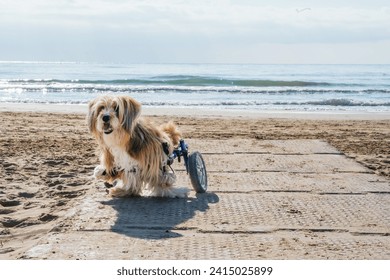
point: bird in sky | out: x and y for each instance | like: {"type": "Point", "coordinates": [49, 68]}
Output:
{"type": "Point", "coordinates": [303, 10]}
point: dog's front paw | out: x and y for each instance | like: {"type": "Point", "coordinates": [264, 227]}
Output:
{"type": "Point", "coordinates": [100, 172]}
{"type": "Point", "coordinates": [119, 191]}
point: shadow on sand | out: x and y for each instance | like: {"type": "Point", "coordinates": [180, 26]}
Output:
{"type": "Point", "coordinates": [156, 218]}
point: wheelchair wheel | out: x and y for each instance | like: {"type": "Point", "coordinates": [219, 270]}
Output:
{"type": "Point", "coordinates": [197, 172]}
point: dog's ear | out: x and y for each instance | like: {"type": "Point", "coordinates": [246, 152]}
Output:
{"type": "Point", "coordinates": [91, 117]}
{"type": "Point", "coordinates": [130, 111]}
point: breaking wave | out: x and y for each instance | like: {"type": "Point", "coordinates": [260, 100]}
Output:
{"type": "Point", "coordinates": [173, 81]}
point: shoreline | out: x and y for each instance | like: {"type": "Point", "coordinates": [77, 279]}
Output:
{"type": "Point", "coordinates": [204, 112]}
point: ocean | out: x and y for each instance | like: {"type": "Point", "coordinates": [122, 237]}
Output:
{"type": "Point", "coordinates": [212, 86]}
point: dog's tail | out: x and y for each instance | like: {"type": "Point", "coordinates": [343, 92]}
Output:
{"type": "Point", "coordinates": [173, 133]}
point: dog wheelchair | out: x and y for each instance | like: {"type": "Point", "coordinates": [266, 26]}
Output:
{"type": "Point", "coordinates": [193, 162]}
{"type": "Point", "coordinates": [194, 165]}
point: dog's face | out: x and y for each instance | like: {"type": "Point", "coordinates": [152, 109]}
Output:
{"type": "Point", "coordinates": [112, 113]}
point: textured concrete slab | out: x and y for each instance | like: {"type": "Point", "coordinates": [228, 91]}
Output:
{"type": "Point", "coordinates": [283, 163]}
{"type": "Point", "coordinates": [292, 200]}
{"type": "Point", "coordinates": [253, 146]}
{"type": "Point", "coordinates": [265, 212]}
{"type": "Point", "coordinates": [324, 183]}
{"type": "Point", "coordinates": [188, 244]}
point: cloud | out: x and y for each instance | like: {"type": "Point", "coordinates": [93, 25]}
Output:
{"type": "Point", "coordinates": [178, 30]}
{"type": "Point", "coordinates": [206, 17]}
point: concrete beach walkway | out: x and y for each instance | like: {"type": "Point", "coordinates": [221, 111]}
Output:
{"type": "Point", "coordinates": [293, 199]}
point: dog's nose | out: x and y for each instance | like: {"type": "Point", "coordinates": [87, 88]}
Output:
{"type": "Point", "coordinates": [106, 118]}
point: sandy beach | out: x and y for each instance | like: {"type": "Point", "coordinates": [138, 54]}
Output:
{"type": "Point", "coordinates": [47, 158]}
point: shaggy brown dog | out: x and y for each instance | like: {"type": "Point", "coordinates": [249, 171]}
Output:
{"type": "Point", "coordinates": [132, 148]}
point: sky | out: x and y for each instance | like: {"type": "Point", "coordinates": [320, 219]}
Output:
{"type": "Point", "coordinates": [196, 31]}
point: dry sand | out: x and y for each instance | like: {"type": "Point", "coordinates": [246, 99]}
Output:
{"type": "Point", "coordinates": [47, 159]}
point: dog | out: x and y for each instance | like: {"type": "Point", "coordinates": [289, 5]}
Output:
{"type": "Point", "coordinates": [134, 152]}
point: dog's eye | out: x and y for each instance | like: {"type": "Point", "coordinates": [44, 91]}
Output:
{"type": "Point", "coordinates": [117, 111]}
{"type": "Point", "coordinates": [99, 109]}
